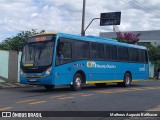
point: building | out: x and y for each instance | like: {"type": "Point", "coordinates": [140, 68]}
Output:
{"type": "Point", "coordinates": [146, 37]}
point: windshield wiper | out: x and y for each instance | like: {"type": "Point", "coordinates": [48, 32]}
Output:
{"type": "Point", "coordinates": [41, 50]}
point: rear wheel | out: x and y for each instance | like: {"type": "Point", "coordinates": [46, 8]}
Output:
{"type": "Point", "coordinates": [127, 80]}
{"type": "Point", "coordinates": [49, 87]}
{"type": "Point", "coordinates": [77, 82]}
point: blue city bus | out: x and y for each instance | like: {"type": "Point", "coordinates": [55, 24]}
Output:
{"type": "Point", "coordinates": [50, 59]}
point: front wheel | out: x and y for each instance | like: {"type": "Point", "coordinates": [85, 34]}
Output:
{"type": "Point", "coordinates": [49, 87]}
{"type": "Point", "coordinates": [77, 82]}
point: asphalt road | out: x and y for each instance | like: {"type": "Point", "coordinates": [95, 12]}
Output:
{"type": "Point", "coordinates": [140, 96]}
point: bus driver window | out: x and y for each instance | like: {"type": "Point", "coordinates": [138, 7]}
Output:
{"type": "Point", "coordinates": [60, 50]}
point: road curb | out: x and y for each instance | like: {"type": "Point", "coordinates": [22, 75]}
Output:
{"type": "Point", "coordinates": [13, 85]}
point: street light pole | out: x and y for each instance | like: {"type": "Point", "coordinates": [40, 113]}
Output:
{"type": "Point", "coordinates": [83, 18]}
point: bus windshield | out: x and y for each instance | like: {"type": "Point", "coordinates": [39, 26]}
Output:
{"type": "Point", "coordinates": [37, 54]}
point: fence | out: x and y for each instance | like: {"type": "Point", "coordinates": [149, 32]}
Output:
{"type": "Point", "coordinates": [9, 64]}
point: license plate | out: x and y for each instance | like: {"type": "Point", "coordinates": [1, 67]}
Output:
{"type": "Point", "coordinates": [32, 80]}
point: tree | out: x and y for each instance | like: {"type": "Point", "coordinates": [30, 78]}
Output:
{"type": "Point", "coordinates": [154, 54]}
{"type": "Point", "coordinates": [127, 37]}
{"type": "Point", "coordinates": [15, 43]}
{"type": "Point", "coordinates": [154, 57]}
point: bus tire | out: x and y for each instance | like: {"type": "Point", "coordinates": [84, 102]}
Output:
{"type": "Point", "coordinates": [49, 87]}
{"type": "Point", "coordinates": [77, 82]}
{"type": "Point", "coordinates": [127, 80]}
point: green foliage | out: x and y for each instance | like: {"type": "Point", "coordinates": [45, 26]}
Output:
{"type": "Point", "coordinates": [154, 53]}
{"type": "Point", "coordinates": [15, 43]}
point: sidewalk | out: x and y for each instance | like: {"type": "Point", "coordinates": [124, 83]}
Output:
{"type": "Point", "coordinates": [11, 85]}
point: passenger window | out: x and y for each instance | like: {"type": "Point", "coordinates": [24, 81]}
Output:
{"type": "Point", "coordinates": [81, 50]}
{"type": "Point", "coordinates": [133, 55]}
{"type": "Point", "coordinates": [111, 52]}
{"type": "Point", "coordinates": [143, 56]}
{"type": "Point", "coordinates": [123, 53]}
{"type": "Point", "coordinates": [101, 51]}
{"type": "Point", "coordinates": [94, 50]}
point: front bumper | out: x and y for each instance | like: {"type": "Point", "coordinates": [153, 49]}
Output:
{"type": "Point", "coordinates": [34, 79]}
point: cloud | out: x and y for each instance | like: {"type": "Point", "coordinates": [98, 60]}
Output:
{"type": "Point", "coordinates": [65, 15]}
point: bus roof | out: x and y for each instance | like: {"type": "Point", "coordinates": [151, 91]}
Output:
{"type": "Point", "coordinates": [93, 39]}
{"type": "Point", "coordinates": [48, 33]}
{"type": "Point", "coordinates": [99, 40]}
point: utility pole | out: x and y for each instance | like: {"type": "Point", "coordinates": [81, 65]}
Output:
{"type": "Point", "coordinates": [83, 18]}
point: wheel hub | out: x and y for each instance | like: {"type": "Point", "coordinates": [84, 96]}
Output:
{"type": "Point", "coordinates": [78, 82]}
{"type": "Point", "coordinates": [127, 80]}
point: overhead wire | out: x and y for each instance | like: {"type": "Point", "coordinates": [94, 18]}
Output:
{"type": "Point", "coordinates": [140, 6]}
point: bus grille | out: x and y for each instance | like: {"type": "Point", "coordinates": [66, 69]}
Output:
{"type": "Point", "coordinates": [33, 76]}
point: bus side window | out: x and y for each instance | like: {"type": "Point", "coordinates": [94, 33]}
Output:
{"type": "Point", "coordinates": [94, 50]}
{"type": "Point", "coordinates": [143, 56]}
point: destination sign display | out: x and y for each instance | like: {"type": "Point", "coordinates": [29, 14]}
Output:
{"type": "Point", "coordinates": [40, 38]}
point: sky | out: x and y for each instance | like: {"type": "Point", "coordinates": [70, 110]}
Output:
{"type": "Point", "coordinates": [66, 16]}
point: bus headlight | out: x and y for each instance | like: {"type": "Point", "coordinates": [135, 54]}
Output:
{"type": "Point", "coordinates": [48, 71]}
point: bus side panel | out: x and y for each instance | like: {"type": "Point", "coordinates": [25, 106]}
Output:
{"type": "Point", "coordinates": [95, 71]}
{"type": "Point", "coordinates": [98, 71]}
{"type": "Point", "coordinates": [121, 69]}
{"type": "Point", "coordinates": [138, 71]}
{"type": "Point", "coordinates": [143, 71]}
{"type": "Point", "coordinates": [101, 71]}
{"type": "Point", "coordinates": [63, 74]}
{"type": "Point", "coordinates": [133, 69]}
